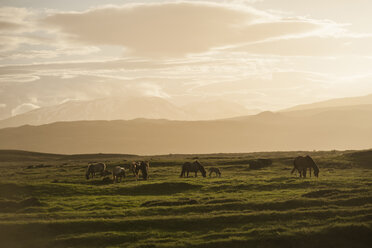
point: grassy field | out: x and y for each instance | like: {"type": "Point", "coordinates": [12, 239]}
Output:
{"type": "Point", "coordinates": [45, 201]}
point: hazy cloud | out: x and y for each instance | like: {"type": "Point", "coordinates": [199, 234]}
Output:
{"type": "Point", "coordinates": [23, 108]}
{"type": "Point", "coordinates": [173, 29]}
{"type": "Point", "coordinates": [312, 46]}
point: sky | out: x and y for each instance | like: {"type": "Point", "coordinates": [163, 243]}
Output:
{"type": "Point", "coordinates": [262, 54]}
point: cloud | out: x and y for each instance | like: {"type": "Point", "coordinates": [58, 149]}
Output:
{"type": "Point", "coordinates": [23, 108]}
{"type": "Point", "coordinates": [174, 29]}
{"type": "Point", "coordinates": [14, 18]}
{"type": "Point", "coordinates": [312, 46]}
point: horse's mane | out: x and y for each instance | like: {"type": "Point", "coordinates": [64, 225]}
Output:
{"type": "Point", "coordinates": [201, 167]}
{"type": "Point", "coordinates": [312, 161]}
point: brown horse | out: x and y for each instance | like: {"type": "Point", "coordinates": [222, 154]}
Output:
{"type": "Point", "coordinates": [95, 168]}
{"type": "Point", "coordinates": [193, 167]}
{"type": "Point", "coordinates": [142, 166]}
{"type": "Point", "coordinates": [133, 167]}
{"type": "Point", "coordinates": [302, 164]}
{"type": "Point", "coordinates": [214, 170]}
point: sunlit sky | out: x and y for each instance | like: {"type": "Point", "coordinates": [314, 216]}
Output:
{"type": "Point", "coordinates": [263, 54]}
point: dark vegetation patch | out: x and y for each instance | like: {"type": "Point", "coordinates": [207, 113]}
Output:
{"type": "Point", "coordinates": [259, 163]}
{"type": "Point", "coordinates": [333, 192]}
{"type": "Point", "coordinates": [180, 202]}
{"type": "Point", "coordinates": [362, 158]}
{"type": "Point", "coordinates": [220, 201]}
{"type": "Point", "coordinates": [12, 206]}
{"type": "Point", "coordinates": [290, 184]}
{"type": "Point", "coordinates": [104, 181]}
{"type": "Point", "coordinates": [322, 193]}
{"type": "Point", "coordinates": [164, 188]}
{"type": "Point", "coordinates": [38, 166]}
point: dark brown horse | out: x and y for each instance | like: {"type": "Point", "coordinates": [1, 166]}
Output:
{"type": "Point", "coordinates": [303, 163]}
{"type": "Point", "coordinates": [193, 167]}
{"type": "Point", "coordinates": [142, 166]}
{"type": "Point", "coordinates": [95, 168]}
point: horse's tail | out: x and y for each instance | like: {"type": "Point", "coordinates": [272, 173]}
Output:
{"type": "Point", "coordinates": [183, 172]}
{"type": "Point", "coordinates": [87, 172]}
{"type": "Point", "coordinates": [294, 166]}
{"type": "Point", "coordinates": [144, 173]}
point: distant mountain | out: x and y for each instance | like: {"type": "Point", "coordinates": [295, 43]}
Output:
{"type": "Point", "coordinates": [126, 109]}
{"type": "Point", "coordinates": [216, 109]}
{"type": "Point", "coordinates": [338, 102]}
{"type": "Point", "coordinates": [336, 128]}
{"type": "Point", "coordinates": [99, 109]}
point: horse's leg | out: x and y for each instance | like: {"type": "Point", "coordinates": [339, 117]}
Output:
{"type": "Point", "coordinates": [188, 173]}
{"type": "Point", "coordinates": [304, 172]}
{"type": "Point", "coordinates": [196, 173]}
{"type": "Point", "coordinates": [210, 173]}
{"type": "Point", "coordinates": [310, 171]}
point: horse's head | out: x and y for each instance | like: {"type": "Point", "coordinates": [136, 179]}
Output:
{"type": "Point", "coordinates": [315, 167]}
{"type": "Point", "coordinates": [201, 168]}
{"type": "Point", "coordinates": [316, 172]}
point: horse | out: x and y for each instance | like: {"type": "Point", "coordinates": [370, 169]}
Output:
{"type": "Point", "coordinates": [94, 168]}
{"type": "Point", "coordinates": [142, 166]}
{"type": "Point", "coordinates": [214, 170]}
{"type": "Point", "coordinates": [133, 167]}
{"type": "Point", "coordinates": [303, 163]}
{"type": "Point", "coordinates": [193, 167]}
{"type": "Point", "coordinates": [118, 172]}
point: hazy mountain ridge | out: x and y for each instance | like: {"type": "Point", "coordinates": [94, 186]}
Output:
{"type": "Point", "coordinates": [263, 132]}
{"type": "Point", "coordinates": [126, 109]}
{"type": "Point", "coordinates": [337, 102]}
{"type": "Point", "coordinates": [326, 128]}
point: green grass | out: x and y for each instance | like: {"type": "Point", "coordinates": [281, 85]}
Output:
{"type": "Point", "coordinates": [53, 205]}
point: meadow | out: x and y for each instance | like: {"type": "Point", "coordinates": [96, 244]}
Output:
{"type": "Point", "coordinates": [45, 201]}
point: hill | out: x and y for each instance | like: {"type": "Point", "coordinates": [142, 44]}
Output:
{"type": "Point", "coordinates": [340, 128]}
{"type": "Point", "coordinates": [338, 102]}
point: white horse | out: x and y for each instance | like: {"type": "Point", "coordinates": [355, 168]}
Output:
{"type": "Point", "coordinates": [118, 172]}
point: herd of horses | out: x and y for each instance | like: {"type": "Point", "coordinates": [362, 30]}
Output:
{"type": "Point", "coordinates": [301, 164]}
{"type": "Point", "coordinates": [118, 172]}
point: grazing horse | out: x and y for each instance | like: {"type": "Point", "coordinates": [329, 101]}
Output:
{"type": "Point", "coordinates": [193, 167]}
{"type": "Point", "coordinates": [118, 172]}
{"type": "Point", "coordinates": [133, 167]}
{"type": "Point", "coordinates": [303, 163]}
{"type": "Point", "coordinates": [214, 170]}
{"type": "Point", "coordinates": [142, 166]}
{"type": "Point", "coordinates": [95, 168]}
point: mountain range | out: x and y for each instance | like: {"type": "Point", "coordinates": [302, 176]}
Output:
{"type": "Point", "coordinates": [116, 108]}
{"type": "Point", "coordinates": [320, 127]}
